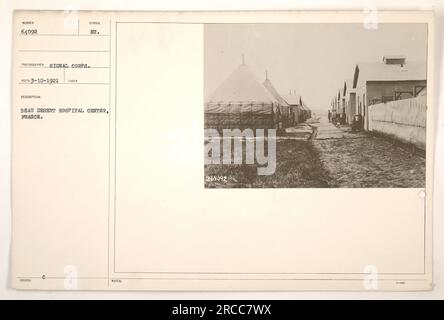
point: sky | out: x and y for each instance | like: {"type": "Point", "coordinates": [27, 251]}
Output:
{"type": "Point", "coordinates": [313, 59]}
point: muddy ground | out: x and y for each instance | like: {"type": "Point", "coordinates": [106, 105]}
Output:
{"type": "Point", "coordinates": [298, 166]}
{"type": "Point", "coordinates": [369, 162]}
{"type": "Point", "coordinates": [330, 157]}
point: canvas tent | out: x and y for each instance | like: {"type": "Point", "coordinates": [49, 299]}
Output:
{"type": "Point", "coordinates": [306, 110]}
{"type": "Point", "coordinates": [306, 113]}
{"type": "Point", "coordinates": [242, 102]}
{"type": "Point", "coordinates": [294, 100]}
{"type": "Point", "coordinates": [286, 112]}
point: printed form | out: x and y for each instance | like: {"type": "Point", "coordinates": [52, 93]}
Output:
{"type": "Point", "coordinates": [109, 177]}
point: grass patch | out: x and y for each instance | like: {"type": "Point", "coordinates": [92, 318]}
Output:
{"type": "Point", "coordinates": [297, 166]}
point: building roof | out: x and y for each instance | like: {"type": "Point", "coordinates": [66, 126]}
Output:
{"type": "Point", "coordinates": [348, 87]}
{"type": "Point", "coordinates": [393, 56]}
{"type": "Point", "coordinates": [242, 87]}
{"type": "Point", "coordinates": [292, 99]}
{"type": "Point", "coordinates": [379, 71]}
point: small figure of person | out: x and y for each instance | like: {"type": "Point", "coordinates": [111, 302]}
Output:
{"type": "Point", "coordinates": [329, 116]}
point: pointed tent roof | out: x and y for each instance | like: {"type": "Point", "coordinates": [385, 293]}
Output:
{"type": "Point", "coordinates": [242, 87]}
{"type": "Point", "coordinates": [269, 86]}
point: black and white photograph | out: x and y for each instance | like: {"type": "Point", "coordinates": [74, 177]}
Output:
{"type": "Point", "coordinates": [315, 105]}
{"type": "Point", "coordinates": [256, 152]}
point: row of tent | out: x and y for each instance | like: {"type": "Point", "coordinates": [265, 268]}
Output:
{"type": "Point", "coordinates": [242, 102]}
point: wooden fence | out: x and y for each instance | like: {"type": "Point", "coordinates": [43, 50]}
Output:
{"type": "Point", "coordinates": [401, 119]}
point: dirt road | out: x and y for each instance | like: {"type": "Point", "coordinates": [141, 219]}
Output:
{"type": "Point", "coordinates": [365, 160]}
{"type": "Point", "coordinates": [327, 157]}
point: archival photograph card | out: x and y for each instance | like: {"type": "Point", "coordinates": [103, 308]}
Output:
{"type": "Point", "coordinates": [222, 150]}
